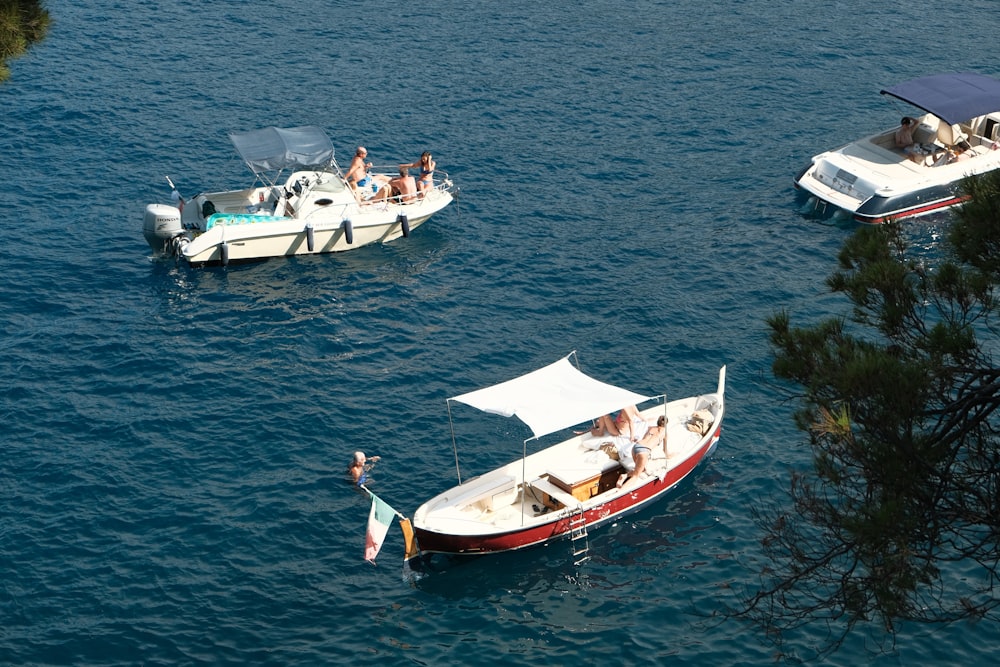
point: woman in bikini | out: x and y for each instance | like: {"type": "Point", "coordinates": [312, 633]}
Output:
{"type": "Point", "coordinates": [643, 449]}
{"type": "Point", "coordinates": [627, 422]}
{"type": "Point", "coordinates": [426, 164]}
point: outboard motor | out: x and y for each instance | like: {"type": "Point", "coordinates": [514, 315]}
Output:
{"type": "Point", "coordinates": [161, 226]}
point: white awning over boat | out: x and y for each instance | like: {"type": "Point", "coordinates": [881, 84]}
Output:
{"type": "Point", "coordinates": [552, 398]}
{"type": "Point", "coordinates": [277, 148]}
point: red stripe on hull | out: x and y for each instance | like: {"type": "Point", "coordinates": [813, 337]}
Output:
{"type": "Point", "coordinates": [431, 542]}
{"type": "Point", "coordinates": [921, 210]}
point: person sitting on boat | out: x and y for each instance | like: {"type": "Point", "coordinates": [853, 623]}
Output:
{"type": "Point", "coordinates": [426, 165]}
{"type": "Point", "coordinates": [360, 467]}
{"type": "Point", "coordinates": [402, 188]}
{"type": "Point", "coordinates": [359, 175]}
{"type": "Point", "coordinates": [954, 154]}
{"type": "Point", "coordinates": [643, 450]}
{"type": "Point", "coordinates": [905, 141]}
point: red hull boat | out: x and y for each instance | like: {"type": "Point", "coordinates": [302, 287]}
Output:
{"type": "Point", "coordinates": [563, 491]}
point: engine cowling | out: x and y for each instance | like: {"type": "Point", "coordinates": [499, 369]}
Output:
{"type": "Point", "coordinates": [161, 226]}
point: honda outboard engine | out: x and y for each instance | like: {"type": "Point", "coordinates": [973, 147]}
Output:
{"type": "Point", "coordinates": [162, 228]}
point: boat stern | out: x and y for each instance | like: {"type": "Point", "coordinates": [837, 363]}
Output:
{"type": "Point", "coordinates": [836, 183]}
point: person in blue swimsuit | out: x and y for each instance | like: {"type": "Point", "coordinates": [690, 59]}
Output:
{"type": "Point", "coordinates": [426, 165]}
{"type": "Point", "coordinates": [359, 176]}
{"type": "Point", "coordinates": [361, 466]}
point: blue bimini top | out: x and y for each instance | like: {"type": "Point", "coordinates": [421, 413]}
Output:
{"type": "Point", "coordinates": [954, 98]}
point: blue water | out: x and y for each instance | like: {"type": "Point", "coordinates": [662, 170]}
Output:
{"type": "Point", "coordinates": [174, 440]}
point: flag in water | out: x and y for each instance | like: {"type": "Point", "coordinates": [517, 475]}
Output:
{"type": "Point", "coordinates": [379, 520]}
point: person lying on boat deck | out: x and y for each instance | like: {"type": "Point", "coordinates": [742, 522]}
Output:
{"type": "Point", "coordinates": [360, 466]}
{"type": "Point", "coordinates": [905, 142]}
{"type": "Point", "coordinates": [953, 154]}
{"type": "Point", "coordinates": [642, 450]}
{"type": "Point", "coordinates": [402, 188]}
{"type": "Point", "coordinates": [426, 165]}
{"type": "Point", "coordinates": [627, 423]}
{"type": "Point", "coordinates": [358, 174]}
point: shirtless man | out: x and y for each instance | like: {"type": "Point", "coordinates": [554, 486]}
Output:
{"type": "Point", "coordinates": [904, 139]}
{"type": "Point", "coordinates": [358, 171]}
{"type": "Point", "coordinates": [360, 465]}
{"type": "Point", "coordinates": [405, 186]}
{"type": "Point", "coordinates": [357, 174]}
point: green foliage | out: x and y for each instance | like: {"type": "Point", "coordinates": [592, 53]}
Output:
{"type": "Point", "coordinates": [899, 402]}
{"type": "Point", "coordinates": [22, 23]}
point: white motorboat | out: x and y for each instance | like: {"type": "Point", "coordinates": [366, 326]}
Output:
{"type": "Point", "coordinates": [298, 204]}
{"type": "Point", "coordinates": [568, 488]}
{"type": "Point", "coordinates": [874, 181]}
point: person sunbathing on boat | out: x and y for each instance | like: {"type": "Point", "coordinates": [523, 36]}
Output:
{"type": "Point", "coordinates": [953, 154]}
{"type": "Point", "coordinates": [643, 449]}
{"type": "Point", "coordinates": [626, 423]}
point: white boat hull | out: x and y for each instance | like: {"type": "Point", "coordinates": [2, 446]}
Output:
{"type": "Point", "coordinates": [874, 180]}
{"type": "Point", "coordinates": [291, 237]}
{"type": "Point", "coordinates": [311, 211]}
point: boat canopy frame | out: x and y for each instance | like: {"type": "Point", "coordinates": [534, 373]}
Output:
{"type": "Point", "coordinates": [269, 152]}
{"type": "Point", "coordinates": [547, 400]}
{"type": "Point", "coordinates": [952, 97]}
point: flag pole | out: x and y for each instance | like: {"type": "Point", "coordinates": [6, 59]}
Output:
{"type": "Point", "coordinates": [409, 538]}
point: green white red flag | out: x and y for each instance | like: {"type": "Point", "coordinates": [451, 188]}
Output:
{"type": "Point", "coordinates": [379, 520]}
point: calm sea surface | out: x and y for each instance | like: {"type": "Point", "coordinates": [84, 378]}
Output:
{"type": "Point", "coordinates": [174, 440]}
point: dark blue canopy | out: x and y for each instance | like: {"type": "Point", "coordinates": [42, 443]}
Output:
{"type": "Point", "coordinates": [953, 98]}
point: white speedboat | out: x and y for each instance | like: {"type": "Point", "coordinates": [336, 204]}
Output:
{"type": "Point", "coordinates": [569, 488]}
{"type": "Point", "coordinates": [874, 181]}
{"type": "Point", "coordinates": [298, 204]}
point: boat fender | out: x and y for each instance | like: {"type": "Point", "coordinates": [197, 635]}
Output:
{"type": "Point", "coordinates": [348, 230]}
{"type": "Point", "coordinates": [224, 251]}
{"type": "Point", "coordinates": [404, 223]}
{"type": "Point", "coordinates": [310, 237]}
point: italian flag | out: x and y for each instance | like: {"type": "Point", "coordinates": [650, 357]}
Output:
{"type": "Point", "coordinates": [379, 520]}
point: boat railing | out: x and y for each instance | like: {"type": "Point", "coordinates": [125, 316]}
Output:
{"type": "Point", "coordinates": [444, 185]}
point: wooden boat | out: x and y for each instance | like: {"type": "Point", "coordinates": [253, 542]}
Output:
{"type": "Point", "coordinates": [564, 490]}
